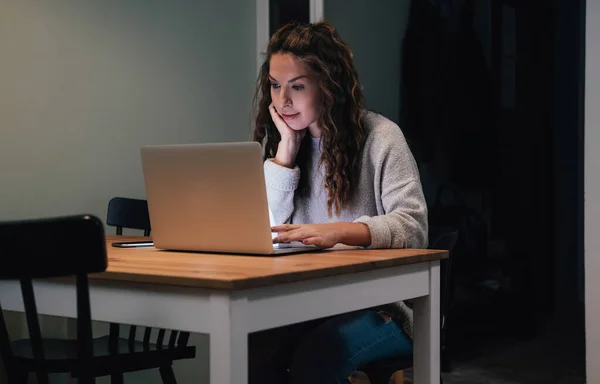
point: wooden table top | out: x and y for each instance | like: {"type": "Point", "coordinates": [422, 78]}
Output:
{"type": "Point", "coordinates": [233, 272]}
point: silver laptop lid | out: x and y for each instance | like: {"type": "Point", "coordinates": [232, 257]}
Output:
{"type": "Point", "coordinates": [207, 197]}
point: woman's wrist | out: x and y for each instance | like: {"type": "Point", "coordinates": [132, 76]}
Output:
{"type": "Point", "coordinates": [286, 153]}
{"type": "Point", "coordinates": [355, 234]}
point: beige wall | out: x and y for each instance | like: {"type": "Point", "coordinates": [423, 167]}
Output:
{"type": "Point", "coordinates": [85, 83]}
{"type": "Point", "coordinates": [592, 191]}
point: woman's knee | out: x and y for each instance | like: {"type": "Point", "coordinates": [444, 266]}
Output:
{"type": "Point", "coordinates": [339, 346]}
{"type": "Point", "coordinates": [322, 355]}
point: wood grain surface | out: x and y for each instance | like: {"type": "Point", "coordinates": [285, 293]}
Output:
{"type": "Point", "coordinates": [234, 272]}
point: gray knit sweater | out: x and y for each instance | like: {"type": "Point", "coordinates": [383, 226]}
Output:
{"type": "Point", "coordinates": [389, 199]}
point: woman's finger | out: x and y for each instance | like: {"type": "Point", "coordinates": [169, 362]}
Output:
{"type": "Point", "coordinates": [278, 239]}
{"type": "Point", "coordinates": [277, 119]}
{"type": "Point", "coordinates": [284, 227]}
{"type": "Point", "coordinates": [312, 241]}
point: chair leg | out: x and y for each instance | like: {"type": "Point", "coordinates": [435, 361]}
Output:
{"type": "Point", "coordinates": [446, 365]}
{"type": "Point", "coordinates": [167, 374]}
{"type": "Point", "coordinates": [116, 378]}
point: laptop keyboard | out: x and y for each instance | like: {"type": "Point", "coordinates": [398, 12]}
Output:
{"type": "Point", "coordinates": [293, 244]}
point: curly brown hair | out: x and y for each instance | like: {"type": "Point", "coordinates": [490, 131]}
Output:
{"type": "Point", "coordinates": [340, 120]}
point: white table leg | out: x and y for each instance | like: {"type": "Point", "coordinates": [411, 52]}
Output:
{"type": "Point", "coordinates": [228, 343]}
{"type": "Point", "coordinates": [427, 331]}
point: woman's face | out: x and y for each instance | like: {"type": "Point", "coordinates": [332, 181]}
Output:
{"type": "Point", "coordinates": [294, 93]}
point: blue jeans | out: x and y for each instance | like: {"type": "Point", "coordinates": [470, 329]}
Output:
{"type": "Point", "coordinates": [328, 351]}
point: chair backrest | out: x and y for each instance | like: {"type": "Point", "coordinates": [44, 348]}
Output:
{"type": "Point", "coordinates": [445, 241]}
{"type": "Point", "coordinates": [124, 212]}
{"type": "Point", "coordinates": [130, 213]}
{"type": "Point", "coordinates": [45, 248]}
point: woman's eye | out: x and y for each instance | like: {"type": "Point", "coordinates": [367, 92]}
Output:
{"type": "Point", "coordinates": [274, 86]}
{"type": "Point", "coordinates": [298, 87]}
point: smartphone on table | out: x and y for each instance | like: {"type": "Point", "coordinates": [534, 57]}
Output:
{"type": "Point", "coordinates": [133, 244]}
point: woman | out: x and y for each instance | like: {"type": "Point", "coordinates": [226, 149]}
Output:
{"type": "Point", "coordinates": [335, 173]}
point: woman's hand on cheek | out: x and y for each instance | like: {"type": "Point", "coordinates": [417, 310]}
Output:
{"type": "Point", "coordinates": [285, 131]}
{"type": "Point", "coordinates": [288, 147]}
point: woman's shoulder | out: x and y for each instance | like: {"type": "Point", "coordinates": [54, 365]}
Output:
{"type": "Point", "coordinates": [382, 131]}
{"type": "Point", "coordinates": [385, 144]}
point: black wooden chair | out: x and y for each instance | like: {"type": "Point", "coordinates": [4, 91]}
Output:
{"type": "Point", "coordinates": [379, 372]}
{"type": "Point", "coordinates": [46, 248]}
{"type": "Point", "coordinates": [60, 247]}
{"type": "Point", "coordinates": [128, 213]}
{"type": "Point", "coordinates": [133, 214]}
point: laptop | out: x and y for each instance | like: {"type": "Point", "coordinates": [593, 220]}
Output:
{"type": "Point", "coordinates": [210, 198]}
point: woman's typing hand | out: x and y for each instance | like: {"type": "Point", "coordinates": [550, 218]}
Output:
{"type": "Point", "coordinates": [324, 235]}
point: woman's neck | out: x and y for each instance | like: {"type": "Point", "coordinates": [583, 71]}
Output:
{"type": "Point", "coordinates": [314, 130]}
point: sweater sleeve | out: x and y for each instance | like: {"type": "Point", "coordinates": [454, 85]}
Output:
{"type": "Point", "coordinates": [281, 183]}
{"type": "Point", "coordinates": [403, 219]}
